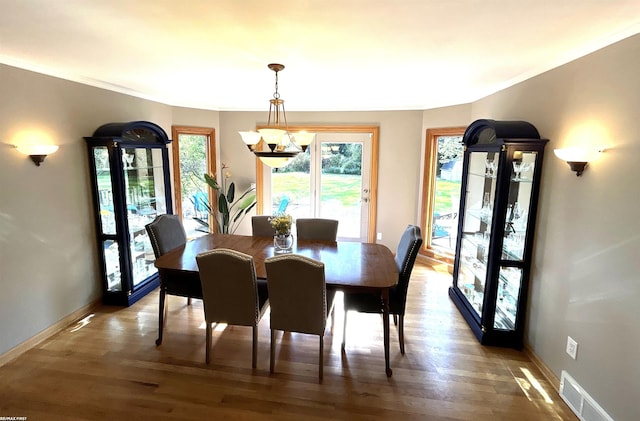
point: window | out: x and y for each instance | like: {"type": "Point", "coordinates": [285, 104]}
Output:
{"type": "Point", "coordinates": [441, 192]}
{"type": "Point", "coordinates": [194, 153]}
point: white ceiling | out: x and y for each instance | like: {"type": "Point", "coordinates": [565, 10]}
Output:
{"type": "Point", "coordinates": [339, 54]}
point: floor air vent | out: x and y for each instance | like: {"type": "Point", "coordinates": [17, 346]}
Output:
{"type": "Point", "coordinates": [579, 401]}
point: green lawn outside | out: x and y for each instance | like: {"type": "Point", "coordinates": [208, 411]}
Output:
{"type": "Point", "coordinates": [346, 189]}
{"type": "Point", "coordinates": [342, 187]}
{"type": "Point", "coordinates": [445, 190]}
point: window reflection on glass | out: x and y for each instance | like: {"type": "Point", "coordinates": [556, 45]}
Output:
{"type": "Point", "coordinates": [112, 263]}
{"type": "Point", "coordinates": [517, 216]}
{"type": "Point", "coordinates": [105, 194]}
{"type": "Point", "coordinates": [507, 298]}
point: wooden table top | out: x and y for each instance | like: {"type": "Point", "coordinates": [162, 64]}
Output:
{"type": "Point", "coordinates": [347, 264]}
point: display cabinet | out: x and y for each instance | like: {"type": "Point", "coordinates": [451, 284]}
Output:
{"type": "Point", "coordinates": [129, 166]}
{"type": "Point", "coordinates": [499, 198]}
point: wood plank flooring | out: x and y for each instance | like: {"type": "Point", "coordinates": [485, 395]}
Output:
{"type": "Point", "coordinates": [108, 367]}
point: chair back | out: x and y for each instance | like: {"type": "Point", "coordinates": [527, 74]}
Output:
{"type": "Point", "coordinates": [166, 233]}
{"type": "Point", "coordinates": [317, 229]}
{"type": "Point", "coordinates": [229, 287]}
{"type": "Point", "coordinates": [406, 254]}
{"type": "Point", "coordinates": [261, 227]}
{"type": "Point", "coordinates": [283, 204]}
{"type": "Point", "coordinates": [297, 294]}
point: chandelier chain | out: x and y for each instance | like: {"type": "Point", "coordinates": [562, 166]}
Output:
{"type": "Point", "coordinates": [276, 95]}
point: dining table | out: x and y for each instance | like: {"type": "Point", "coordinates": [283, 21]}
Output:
{"type": "Point", "coordinates": [349, 266]}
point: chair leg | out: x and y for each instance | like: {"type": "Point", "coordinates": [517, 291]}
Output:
{"type": "Point", "coordinates": [208, 346]}
{"type": "Point", "coordinates": [401, 333]}
{"type": "Point", "coordinates": [321, 359]}
{"type": "Point", "coordinates": [273, 350]}
{"type": "Point", "coordinates": [254, 354]}
{"type": "Point", "coordinates": [161, 315]}
{"type": "Point", "coordinates": [395, 319]}
{"type": "Point", "coordinates": [188, 301]}
{"type": "Point", "coordinates": [344, 329]}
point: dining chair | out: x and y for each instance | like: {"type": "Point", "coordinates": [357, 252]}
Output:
{"type": "Point", "coordinates": [405, 258]}
{"type": "Point", "coordinates": [166, 233]}
{"type": "Point", "coordinates": [261, 226]}
{"type": "Point", "coordinates": [317, 229]}
{"type": "Point", "coordinates": [231, 293]}
{"type": "Point", "coordinates": [298, 298]}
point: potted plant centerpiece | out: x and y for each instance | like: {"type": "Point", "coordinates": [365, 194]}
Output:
{"type": "Point", "coordinates": [282, 240]}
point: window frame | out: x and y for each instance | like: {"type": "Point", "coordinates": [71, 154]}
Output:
{"type": "Point", "coordinates": [176, 131]}
{"type": "Point", "coordinates": [430, 161]}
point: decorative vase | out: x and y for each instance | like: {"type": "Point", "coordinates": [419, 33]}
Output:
{"type": "Point", "coordinates": [282, 243]}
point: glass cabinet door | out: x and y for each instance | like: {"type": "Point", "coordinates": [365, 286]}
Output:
{"type": "Point", "coordinates": [478, 214]}
{"type": "Point", "coordinates": [519, 201]}
{"type": "Point", "coordinates": [145, 199]}
{"type": "Point", "coordinates": [110, 249]}
{"type": "Point", "coordinates": [509, 283]}
{"type": "Point", "coordinates": [518, 206]}
{"type": "Point", "coordinates": [105, 192]}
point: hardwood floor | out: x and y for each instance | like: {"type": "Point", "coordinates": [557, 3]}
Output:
{"type": "Point", "coordinates": [108, 367]}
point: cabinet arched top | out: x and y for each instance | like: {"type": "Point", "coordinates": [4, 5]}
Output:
{"type": "Point", "coordinates": [133, 132]}
{"type": "Point", "coordinates": [492, 132]}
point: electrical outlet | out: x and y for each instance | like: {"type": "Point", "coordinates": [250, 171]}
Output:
{"type": "Point", "coordinates": [379, 236]}
{"type": "Point", "coordinates": [572, 348]}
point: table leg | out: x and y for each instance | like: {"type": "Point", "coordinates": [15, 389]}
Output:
{"type": "Point", "coordinates": [385, 325]}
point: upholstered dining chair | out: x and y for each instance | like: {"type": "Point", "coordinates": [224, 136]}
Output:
{"type": "Point", "coordinates": [298, 298]}
{"type": "Point", "coordinates": [261, 227]}
{"type": "Point", "coordinates": [231, 293]}
{"type": "Point", "coordinates": [317, 229]}
{"type": "Point", "coordinates": [166, 233]}
{"type": "Point", "coordinates": [406, 253]}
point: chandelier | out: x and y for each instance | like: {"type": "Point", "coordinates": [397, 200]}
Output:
{"type": "Point", "coordinates": [282, 145]}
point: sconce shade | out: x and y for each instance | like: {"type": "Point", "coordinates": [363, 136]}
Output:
{"type": "Point", "coordinates": [37, 153]}
{"type": "Point", "coordinates": [577, 154]}
{"type": "Point", "coordinates": [577, 158]}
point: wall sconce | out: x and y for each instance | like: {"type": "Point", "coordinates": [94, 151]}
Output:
{"type": "Point", "coordinates": [578, 158]}
{"type": "Point", "coordinates": [37, 152]}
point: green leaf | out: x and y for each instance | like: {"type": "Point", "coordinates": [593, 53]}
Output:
{"type": "Point", "coordinates": [246, 200]}
{"type": "Point", "coordinates": [247, 210]}
{"type": "Point", "coordinates": [202, 222]}
{"type": "Point", "coordinates": [212, 182]}
{"type": "Point", "coordinates": [231, 192]}
{"type": "Point", "coordinates": [223, 208]}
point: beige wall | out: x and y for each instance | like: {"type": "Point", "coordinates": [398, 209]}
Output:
{"type": "Point", "coordinates": [586, 280]}
{"type": "Point", "coordinates": [48, 257]}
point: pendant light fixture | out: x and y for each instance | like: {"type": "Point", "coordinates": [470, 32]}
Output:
{"type": "Point", "coordinates": [283, 146]}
